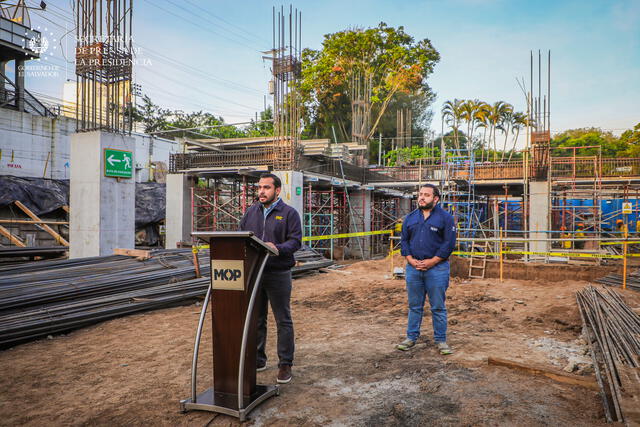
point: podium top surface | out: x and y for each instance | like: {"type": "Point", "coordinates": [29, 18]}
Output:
{"type": "Point", "coordinates": [206, 235]}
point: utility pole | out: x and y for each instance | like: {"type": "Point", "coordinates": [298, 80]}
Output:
{"type": "Point", "coordinates": [379, 148]}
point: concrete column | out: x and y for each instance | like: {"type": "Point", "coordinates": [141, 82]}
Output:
{"type": "Point", "coordinates": [178, 211]}
{"type": "Point", "coordinates": [406, 204]}
{"type": "Point", "coordinates": [361, 214]}
{"type": "Point", "coordinates": [291, 192]}
{"type": "Point", "coordinates": [20, 84]}
{"type": "Point", "coordinates": [539, 199]}
{"type": "Point", "coordinates": [102, 213]}
{"type": "Point", "coordinates": [3, 76]}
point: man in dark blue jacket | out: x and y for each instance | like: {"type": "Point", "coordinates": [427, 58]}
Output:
{"type": "Point", "coordinates": [279, 226]}
{"type": "Point", "coordinates": [428, 238]}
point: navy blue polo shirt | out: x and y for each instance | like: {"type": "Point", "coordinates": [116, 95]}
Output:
{"type": "Point", "coordinates": [423, 239]}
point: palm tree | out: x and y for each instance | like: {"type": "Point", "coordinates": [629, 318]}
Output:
{"type": "Point", "coordinates": [505, 127]}
{"type": "Point", "coordinates": [480, 120]}
{"type": "Point", "coordinates": [497, 112]}
{"type": "Point", "coordinates": [519, 121]}
{"type": "Point", "coordinates": [467, 111]}
{"type": "Point", "coordinates": [451, 114]}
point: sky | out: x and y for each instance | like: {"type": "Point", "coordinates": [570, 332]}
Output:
{"type": "Point", "coordinates": [206, 55]}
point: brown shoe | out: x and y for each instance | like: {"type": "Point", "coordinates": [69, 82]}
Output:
{"type": "Point", "coordinates": [284, 374]}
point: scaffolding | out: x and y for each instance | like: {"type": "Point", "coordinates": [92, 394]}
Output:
{"type": "Point", "coordinates": [458, 192]}
{"type": "Point", "coordinates": [326, 214]}
{"type": "Point", "coordinates": [221, 202]}
{"type": "Point", "coordinates": [386, 211]}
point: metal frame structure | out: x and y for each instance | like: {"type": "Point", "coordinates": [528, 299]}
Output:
{"type": "Point", "coordinates": [326, 213]}
{"type": "Point", "coordinates": [220, 205]}
{"type": "Point", "coordinates": [104, 65]}
{"type": "Point", "coordinates": [286, 68]}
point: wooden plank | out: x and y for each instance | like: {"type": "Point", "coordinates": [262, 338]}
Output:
{"type": "Point", "coordinates": [138, 253]}
{"type": "Point", "coordinates": [13, 239]}
{"type": "Point", "coordinates": [26, 221]}
{"type": "Point", "coordinates": [65, 208]}
{"type": "Point", "coordinates": [556, 375]}
{"type": "Point", "coordinates": [45, 227]}
{"type": "Point", "coordinates": [630, 399]}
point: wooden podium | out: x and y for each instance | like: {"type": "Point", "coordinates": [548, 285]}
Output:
{"type": "Point", "coordinates": [237, 262]}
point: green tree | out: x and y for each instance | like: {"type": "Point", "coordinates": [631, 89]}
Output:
{"type": "Point", "coordinates": [264, 127]}
{"type": "Point", "coordinates": [596, 139]}
{"type": "Point", "coordinates": [201, 124]}
{"type": "Point", "coordinates": [386, 57]}
{"type": "Point", "coordinates": [452, 114]}
{"type": "Point", "coordinates": [631, 138]}
{"type": "Point", "coordinates": [498, 114]}
{"type": "Point", "coordinates": [152, 116]}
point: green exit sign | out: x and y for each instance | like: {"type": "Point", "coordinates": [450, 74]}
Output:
{"type": "Point", "coordinates": [118, 163]}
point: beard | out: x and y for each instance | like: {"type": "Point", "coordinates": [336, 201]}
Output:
{"type": "Point", "coordinates": [269, 200]}
{"type": "Point", "coordinates": [427, 207]}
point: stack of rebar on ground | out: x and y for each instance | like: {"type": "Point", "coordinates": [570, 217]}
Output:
{"type": "Point", "coordinates": [43, 298]}
{"type": "Point", "coordinates": [47, 297]}
{"type": "Point", "coordinates": [633, 280]}
{"type": "Point", "coordinates": [308, 260]}
{"type": "Point", "coordinates": [612, 330]}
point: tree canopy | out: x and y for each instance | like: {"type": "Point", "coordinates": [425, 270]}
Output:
{"type": "Point", "coordinates": [155, 118]}
{"type": "Point", "coordinates": [599, 141]}
{"type": "Point", "coordinates": [385, 59]}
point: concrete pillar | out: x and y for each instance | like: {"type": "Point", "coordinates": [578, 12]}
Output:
{"type": "Point", "coordinates": [102, 208]}
{"type": "Point", "coordinates": [406, 205]}
{"type": "Point", "coordinates": [20, 72]}
{"type": "Point", "coordinates": [178, 211]}
{"type": "Point", "coordinates": [3, 76]}
{"type": "Point", "coordinates": [291, 192]}
{"type": "Point", "coordinates": [539, 199]}
{"type": "Point", "coordinates": [361, 215]}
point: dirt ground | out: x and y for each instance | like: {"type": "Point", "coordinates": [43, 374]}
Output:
{"type": "Point", "coordinates": [134, 370]}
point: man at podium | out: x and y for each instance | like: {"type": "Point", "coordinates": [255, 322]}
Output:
{"type": "Point", "coordinates": [277, 224]}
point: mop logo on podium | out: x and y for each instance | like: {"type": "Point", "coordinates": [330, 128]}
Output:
{"type": "Point", "coordinates": [227, 274]}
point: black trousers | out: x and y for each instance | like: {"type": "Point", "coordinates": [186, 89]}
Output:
{"type": "Point", "coordinates": [276, 290]}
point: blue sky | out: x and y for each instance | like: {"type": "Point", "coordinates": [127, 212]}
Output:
{"type": "Point", "coordinates": [205, 55]}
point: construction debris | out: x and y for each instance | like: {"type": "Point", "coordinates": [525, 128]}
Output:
{"type": "Point", "coordinates": [554, 374]}
{"type": "Point", "coordinates": [613, 334]}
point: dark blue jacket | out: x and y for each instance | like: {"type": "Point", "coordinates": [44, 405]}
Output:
{"type": "Point", "coordinates": [423, 239]}
{"type": "Point", "coordinates": [281, 227]}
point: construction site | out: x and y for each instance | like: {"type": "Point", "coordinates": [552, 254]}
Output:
{"type": "Point", "coordinates": [105, 278]}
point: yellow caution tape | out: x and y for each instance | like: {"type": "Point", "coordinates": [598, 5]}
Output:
{"type": "Point", "coordinates": [327, 237]}
{"type": "Point", "coordinates": [620, 242]}
{"type": "Point", "coordinates": [561, 254]}
{"type": "Point", "coordinates": [564, 254]}
{"type": "Point", "coordinates": [344, 235]}
{"type": "Point", "coordinates": [476, 253]}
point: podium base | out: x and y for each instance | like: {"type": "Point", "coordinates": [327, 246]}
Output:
{"type": "Point", "coordinates": [227, 404]}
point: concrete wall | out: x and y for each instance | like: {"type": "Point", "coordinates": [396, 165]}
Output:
{"type": "Point", "coordinates": [102, 209]}
{"type": "Point", "coordinates": [34, 146]}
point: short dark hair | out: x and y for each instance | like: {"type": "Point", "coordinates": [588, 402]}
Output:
{"type": "Point", "coordinates": [276, 181]}
{"type": "Point", "coordinates": [436, 190]}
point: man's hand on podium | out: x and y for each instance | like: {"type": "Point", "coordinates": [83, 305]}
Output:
{"type": "Point", "coordinates": [272, 246]}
